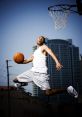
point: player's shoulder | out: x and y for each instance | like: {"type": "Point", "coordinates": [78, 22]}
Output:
{"type": "Point", "coordinates": [44, 46]}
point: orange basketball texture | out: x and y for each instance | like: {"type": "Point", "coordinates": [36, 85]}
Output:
{"type": "Point", "coordinates": [18, 57]}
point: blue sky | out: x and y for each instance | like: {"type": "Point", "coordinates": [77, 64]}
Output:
{"type": "Point", "coordinates": [22, 21]}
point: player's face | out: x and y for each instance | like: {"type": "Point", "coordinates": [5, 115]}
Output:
{"type": "Point", "coordinates": [40, 41]}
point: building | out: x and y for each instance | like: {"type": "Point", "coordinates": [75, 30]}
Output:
{"type": "Point", "coordinates": [80, 81]}
{"type": "Point", "coordinates": [68, 55]}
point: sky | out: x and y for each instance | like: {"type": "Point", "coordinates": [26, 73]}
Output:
{"type": "Point", "coordinates": [21, 22]}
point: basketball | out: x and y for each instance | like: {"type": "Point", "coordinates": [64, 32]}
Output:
{"type": "Point", "coordinates": [18, 57]}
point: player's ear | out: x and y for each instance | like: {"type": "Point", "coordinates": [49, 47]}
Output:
{"type": "Point", "coordinates": [43, 39]}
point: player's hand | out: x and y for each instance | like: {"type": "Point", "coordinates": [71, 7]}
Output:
{"type": "Point", "coordinates": [58, 66]}
{"type": "Point", "coordinates": [21, 62]}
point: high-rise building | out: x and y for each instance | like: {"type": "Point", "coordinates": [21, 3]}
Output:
{"type": "Point", "coordinates": [68, 55]}
{"type": "Point", "coordinates": [80, 81]}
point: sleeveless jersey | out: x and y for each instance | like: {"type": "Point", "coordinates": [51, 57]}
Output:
{"type": "Point", "coordinates": [39, 62]}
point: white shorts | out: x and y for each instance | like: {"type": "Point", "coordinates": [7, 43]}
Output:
{"type": "Point", "coordinates": [40, 79]}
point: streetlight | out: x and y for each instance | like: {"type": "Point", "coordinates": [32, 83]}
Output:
{"type": "Point", "coordinates": [8, 84]}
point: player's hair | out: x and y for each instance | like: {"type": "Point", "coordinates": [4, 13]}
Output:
{"type": "Point", "coordinates": [43, 38]}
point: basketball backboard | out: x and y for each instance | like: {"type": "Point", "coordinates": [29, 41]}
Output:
{"type": "Point", "coordinates": [79, 6]}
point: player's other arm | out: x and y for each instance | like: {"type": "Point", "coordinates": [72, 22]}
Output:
{"type": "Point", "coordinates": [50, 52]}
{"type": "Point", "coordinates": [28, 60]}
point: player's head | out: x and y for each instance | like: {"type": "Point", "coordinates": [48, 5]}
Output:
{"type": "Point", "coordinates": [40, 40]}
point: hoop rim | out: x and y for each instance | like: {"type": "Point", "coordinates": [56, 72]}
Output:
{"type": "Point", "coordinates": [63, 7]}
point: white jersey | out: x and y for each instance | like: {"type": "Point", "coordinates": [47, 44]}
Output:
{"type": "Point", "coordinates": [39, 62]}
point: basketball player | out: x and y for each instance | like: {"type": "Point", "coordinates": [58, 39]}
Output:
{"type": "Point", "coordinates": [39, 72]}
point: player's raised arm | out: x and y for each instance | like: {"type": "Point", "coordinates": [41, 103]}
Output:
{"type": "Point", "coordinates": [50, 52]}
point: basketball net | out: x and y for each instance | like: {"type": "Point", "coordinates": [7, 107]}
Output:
{"type": "Point", "coordinates": [59, 16]}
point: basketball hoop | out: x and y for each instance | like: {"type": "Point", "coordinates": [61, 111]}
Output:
{"type": "Point", "coordinates": [59, 14]}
